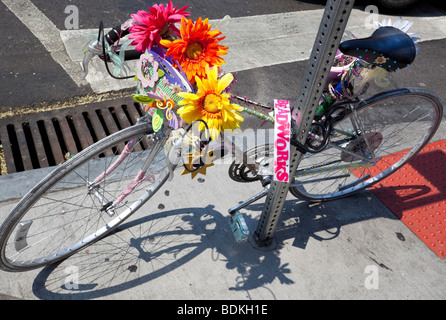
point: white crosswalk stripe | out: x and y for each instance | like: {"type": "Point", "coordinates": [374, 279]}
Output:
{"type": "Point", "coordinates": [259, 41]}
{"type": "Point", "coordinates": [253, 41]}
{"type": "Point", "coordinates": [47, 33]}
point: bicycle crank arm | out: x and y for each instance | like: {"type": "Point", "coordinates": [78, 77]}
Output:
{"type": "Point", "coordinates": [258, 196]}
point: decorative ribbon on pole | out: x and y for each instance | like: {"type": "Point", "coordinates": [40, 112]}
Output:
{"type": "Point", "coordinates": [282, 125]}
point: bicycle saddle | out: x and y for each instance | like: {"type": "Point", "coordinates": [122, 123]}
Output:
{"type": "Point", "coordinates": [388, 47]}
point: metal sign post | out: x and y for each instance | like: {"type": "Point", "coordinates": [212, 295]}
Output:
{"type": "Point", "coordinates": [329, 36]}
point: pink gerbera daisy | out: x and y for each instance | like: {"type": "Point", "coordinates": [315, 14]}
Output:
{"type": "Point", "coordinates": [157, 24]}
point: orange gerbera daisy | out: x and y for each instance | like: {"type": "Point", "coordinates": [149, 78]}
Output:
{"type": "Point", "coordinates": [197, 49]}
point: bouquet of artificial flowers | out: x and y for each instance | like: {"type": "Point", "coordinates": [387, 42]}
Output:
{"type": "Point", "coordinates": [179, 72]}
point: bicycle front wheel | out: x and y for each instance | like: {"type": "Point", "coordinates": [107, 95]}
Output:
{"type": "Point", "coordinates": [371, 142]}
{"type": "Point", "coordinates": [72, 207]}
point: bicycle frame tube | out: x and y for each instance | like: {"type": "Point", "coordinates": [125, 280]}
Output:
{"type": "Point", "coordinates": [141, 175]}
{"type": "Point", "coordinates": [124, 154]}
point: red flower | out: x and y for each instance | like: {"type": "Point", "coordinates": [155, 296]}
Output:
{"type": "Point", "coordinates": [151, 27]}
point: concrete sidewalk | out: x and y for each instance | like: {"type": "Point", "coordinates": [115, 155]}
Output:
{"type": "Point", "coordinates": [179, 246]}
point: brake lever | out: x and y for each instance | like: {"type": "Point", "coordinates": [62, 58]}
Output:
{"type": "Point", "coordinates": [94, 49]}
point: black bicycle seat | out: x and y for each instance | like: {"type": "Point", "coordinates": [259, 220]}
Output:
{"type": "Point", "coordinates": [388, 47]}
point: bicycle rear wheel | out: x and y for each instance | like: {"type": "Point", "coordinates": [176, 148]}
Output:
{"type": "Point", "coordinates": [71, 207]}
{"type": "Point", "coordinates": [369, 144]}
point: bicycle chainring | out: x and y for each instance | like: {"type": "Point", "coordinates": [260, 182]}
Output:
{"type": "Point", "coordinates": [241, 173]}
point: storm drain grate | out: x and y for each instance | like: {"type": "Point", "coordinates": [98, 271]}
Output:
{"type": "Point", "coordinates": [50, 138]}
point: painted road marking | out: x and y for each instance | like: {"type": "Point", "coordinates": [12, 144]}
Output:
{"type": "Point", "coordinates": [47, 33]}
{"type": "Point", "coordinates": [254, 41]}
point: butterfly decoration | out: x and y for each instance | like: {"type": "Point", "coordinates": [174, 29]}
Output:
{"type": "Point", "coordinates": [158, 86]}
{"type": "Point", "coordinates": [147, 70]}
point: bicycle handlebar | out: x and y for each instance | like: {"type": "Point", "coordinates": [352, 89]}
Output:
{"type": "Point", "coordinates": [116, 33]}
{"type": "Point", "coordinates": [96, 47]}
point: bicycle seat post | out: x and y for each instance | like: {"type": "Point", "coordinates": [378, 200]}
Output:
{"type": "Point", "coordinates": [327, 41]}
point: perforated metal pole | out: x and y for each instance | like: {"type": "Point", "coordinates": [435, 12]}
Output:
{"type": "Point", "coordinates": [330, 32]}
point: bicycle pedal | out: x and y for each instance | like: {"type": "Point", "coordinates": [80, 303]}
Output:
{"type": "Point", "coordinates": [239, 227]}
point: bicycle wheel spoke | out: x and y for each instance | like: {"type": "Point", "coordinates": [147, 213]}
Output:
{"type": "Point", "coordinates": [68, 211]}
{"type": "Point", "coordinates": [384, 134]}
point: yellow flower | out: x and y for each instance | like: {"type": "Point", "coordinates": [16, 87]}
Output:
{"type": "Point", "coordinates": [211, 105]}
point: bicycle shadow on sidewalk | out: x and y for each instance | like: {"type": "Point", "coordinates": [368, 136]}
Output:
{"type": "Point", "coordinates": [147, 251]}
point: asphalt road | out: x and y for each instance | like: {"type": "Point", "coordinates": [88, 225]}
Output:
{"type": "Point", "coordinates": [31, 77]}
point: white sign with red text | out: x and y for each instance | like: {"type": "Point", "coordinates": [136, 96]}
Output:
{"type": "Point", "coordinates": [282, 126]}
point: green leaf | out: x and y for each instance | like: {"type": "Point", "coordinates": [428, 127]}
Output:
{"type": "Point", "coordinates": [140, 98]}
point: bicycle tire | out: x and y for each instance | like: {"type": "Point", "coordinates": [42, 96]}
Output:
{"type": "Point", "coordinates": [397, 125]}
{"type": "Point", "coordinates": [61, 216]}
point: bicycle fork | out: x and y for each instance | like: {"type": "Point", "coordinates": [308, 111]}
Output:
{"type": "Point", "coordinates": [110, 206]}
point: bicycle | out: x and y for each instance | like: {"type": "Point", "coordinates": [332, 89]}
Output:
{"type": "Point", "coordinates": [353, 143]}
